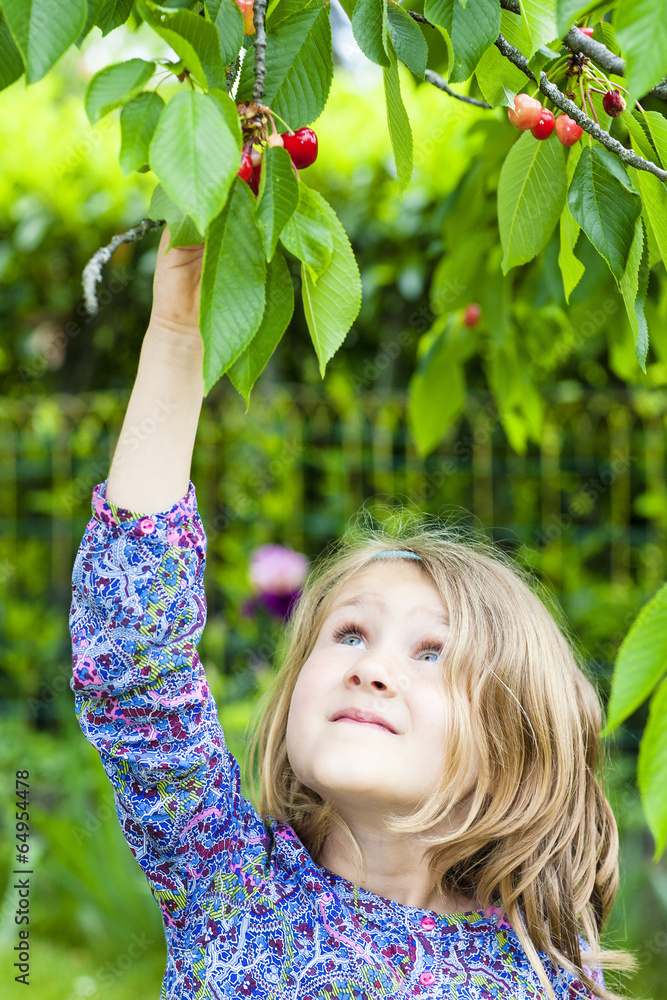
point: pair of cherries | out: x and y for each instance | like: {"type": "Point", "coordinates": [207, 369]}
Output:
{"type": "Point", "coordinates": [301, 146]}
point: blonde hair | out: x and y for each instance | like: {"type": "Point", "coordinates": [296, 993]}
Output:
{"type": "Point", "coordinates": [537, 837]}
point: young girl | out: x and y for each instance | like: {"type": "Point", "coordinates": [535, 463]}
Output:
{"type": "Point", "coordinates": [430, 823]}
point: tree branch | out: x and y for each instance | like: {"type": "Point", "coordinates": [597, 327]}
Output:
{"type": "Point", "coordinates": [92, 272]}
{"type": "Point", "coordinates": [259, 12]}
{"type": "Point", "coordinates": [439, 82]}
{"type": "Point", "coordinates": [570, 108]}
{"type": "Point", "coordinates": [577, 41]}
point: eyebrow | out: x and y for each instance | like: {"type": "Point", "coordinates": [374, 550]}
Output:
{"type": "Point", "coordinates": [372, 598]}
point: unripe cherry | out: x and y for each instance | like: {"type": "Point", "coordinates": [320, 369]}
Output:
{"type": "Point", "coordinates": [567, 130]}
{"type": "Point", "coordinates": [613, 103]}
{"type": "Point", "coordinates": [275, 140]}
{"type": "Point", "coordinates": [526, 112]}
{"type": "Point", "coordinates": [248, 19]}
{"type": "Point", "coordinates": [586, 31]}
{"type": "Point", "coordinates": [545, 125]}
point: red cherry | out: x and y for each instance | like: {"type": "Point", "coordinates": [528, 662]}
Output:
{"type": "Point", "coordinates": [545, 125]}
{"type": "Point", "coordinates": [614, 103]}
{"type": "Point", "coordinates": [254, 178]}
{"type": "Point", "coordinates": [472, 314]}
{"type": "Point", "coordinates": [526, 112]}
{"type": "Point", "coordinates": [301, 146]}
{"type": "Point", "coordinates": [567, 130]}
{"type": "Point", "coordinates": [245, 170]}
{"type": "Point", "coordinates": [586, 31]}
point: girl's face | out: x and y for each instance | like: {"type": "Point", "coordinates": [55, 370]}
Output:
{"type": "Point", "coordinates": [378, 652]}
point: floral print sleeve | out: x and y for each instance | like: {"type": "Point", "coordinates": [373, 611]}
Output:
{"type": "Point", "coordinates": [141, 696]}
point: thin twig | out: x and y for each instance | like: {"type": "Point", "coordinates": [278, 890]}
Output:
{"type": "Point", "coordinates": [92, 272]}
{"type": "Point", "coordinates": [577, 41]}
{"type": "Point", "coordinates": [420, 17]}
{"type": "Point", "coordinates": [259, 13]}
{"type": "Point", "coordinates": [582, 119]}
{"type": "Point", "coordinates": [439, 82]}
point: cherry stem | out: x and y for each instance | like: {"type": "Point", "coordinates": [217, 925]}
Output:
{"type": "Point", "coordinates": [590, 101]}
{"type": "Point", "coordinates": [640, 107]}
{"type": "Point", "coordinates": [269, 112]}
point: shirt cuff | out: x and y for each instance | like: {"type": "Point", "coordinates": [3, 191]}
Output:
{"type": "Point", "coordinates": [171, 524]}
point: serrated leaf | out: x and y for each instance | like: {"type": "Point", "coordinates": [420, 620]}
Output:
{"type": "Point", "coordinates": [471, 29]}
{"type": "Point", "coordinates": [499, 79]}
{"type": "Point", "coordinates": [228, 23]}
{"type": "Point", "coordinates": [233, 292]}
{"type": "Point", "coordinates": [331, 305]}
{"type": "Point", "coordinates": [138, 121]}
{"type": "Point", "coordinates": [430, 410]}
{"type": "Point", "coordinates": [605, 205]}
{"type": "Point", "coordinates": [94, 9]}
{"type": "Point", "coordinates": [195, 155]}
{"type": "Point", "coordinates": [112, 14]}
{"type": "Point", "coordinates": [43, 31]}
{"type": "Point", "coordinates": [228, 107]}
{"type": "Point", "coordinates": [278, 196]}
{"type": "Point", "coordinates": [398, 122]}
{"type": "Point", "coordinates": [278, 311]}
{"type": "Point", "coordinates": [571, 268]}
{"type": "Point", "coordinates": [633, 287]}
{"type": "Point", "coordinates": [193, 39]}
{"type": "Point", "coordinates": [182, 230]}
{"type": "Point", "coordinates": [531, 195]}
{"type": "Point", "coordinates": [641, 138]}
{"type": "Point", "coordinates": [367, 30]}
{"type": "Point", "coordinates": [299, 66]}
{"type": "Point", "coordinates": [539, 23]}
{"type": "Point", "coordinates": [654, 198]}
{"type": "Point", "coordinates": [115, 85]}
{"type": "Point", "coordinates": [641, 661]}
{"type": "Point", "coordinates": [407, 38]}
{"type": "Point", "coordinates": [657, 126]}
{"type": "Point", "coordinates": [11, 64]}
{"type": "Point", "coordinates": [308, 235]}
{"type": "Point", "coordinates": [641, 31]}
{"type": "Point", "coordinates": [652, 769]}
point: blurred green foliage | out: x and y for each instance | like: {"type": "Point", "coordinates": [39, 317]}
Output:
{"type": "Point", "coordinates": [291, 471]}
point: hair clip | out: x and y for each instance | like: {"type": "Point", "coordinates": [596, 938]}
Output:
{"type": "Point", "coordinates": [396, 553]}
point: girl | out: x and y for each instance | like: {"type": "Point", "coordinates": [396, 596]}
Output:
{"type": "Point", "coordinates": [430, 819]}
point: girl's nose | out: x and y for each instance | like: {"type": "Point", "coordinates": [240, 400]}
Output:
{"type": "Point", "coordinates": [371, 671]}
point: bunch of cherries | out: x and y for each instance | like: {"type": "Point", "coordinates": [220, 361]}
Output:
{"type": "Point", "coordinates": [301, 146]}
{"type": "Point", "coordinates": [528, 113]}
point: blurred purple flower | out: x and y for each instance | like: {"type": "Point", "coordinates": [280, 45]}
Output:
{"type": "Point", "coordinates": [277, 574]}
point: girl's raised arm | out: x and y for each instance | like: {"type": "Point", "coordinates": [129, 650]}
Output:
{"type": "Point", "coordinates": [150, 470]}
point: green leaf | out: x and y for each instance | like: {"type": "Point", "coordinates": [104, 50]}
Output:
{"type": "Point", "coordinates": [605, 205]}
{"type": "Point", "coordinates": [138, 121]}
{"type": "Point", "coordinates": [193, 39]}
{"type": "Point", "coordinates": [471, 30]}
{"type": "Point", "coordinates": [531, 195]}
{"type": "Point", "coordinates": [94, 9]}
{"type": "Point", "coordinates": [308, 234]}
{"type": "Point", "coordinates": [520, 402]}
{"type": "Point", "coordinates": [115, 85]}
{"type": "Point", "coordinates": [641, 31]}
{"type": "Point", "coordinates": [228, 107]}
{"type": "Point", "coordinates": [400, 131]}
{"type": "Point", "coordinates": [367, 30]}
{"type": "Point", "coordinates": [228, 23]}
{"type": "Point", "coordinates": [633, 287]}
{"type": "Point", "coordinates": [233, 283]}
{"type": "Point", "coordinates": [112, 14]}
{"type": "Point", "coordinates": [652, 769]}
{"type": "Point", "coordinates": [654, 197]}
{"type": "Point", "coordinates": [299, 66]}
{"type": "Point", "coordinates": [657, 126]}
{"type": "Point", "coordinates": [569, 11]}
{"type": "Point", "coordinates": [539, 23]}
{"type": "Point", "coordinates": [182, 230]}
{"type": "Point", "coordinates": [332, 303]}
{"type": "Point", "coordinates": [571, 268]}
{"type": "Point", "coordinates": [499, 79]}
{"type": "Point", "coordinates": [11, 64]}
{"type": "Point", "coordinates": [278, 312]}
{"type": "Point", "coordinates": [430, 409]}
{"type": "Point", "coordinates": [43, 31]}
{"type": "Point", "coordinates": [278, 196]}
{"type": "Point", "coordinates": [195, 155]}
{"type": "Point", "coordinates": [641, 661]}
{"type": "Point", "coordinates": [407, 38]}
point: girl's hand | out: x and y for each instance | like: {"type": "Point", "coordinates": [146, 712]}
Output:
{"type": "Point", "coordinates": [176, 287]}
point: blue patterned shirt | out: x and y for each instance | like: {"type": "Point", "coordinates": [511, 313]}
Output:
{"type": "Point", "coordinates": [246, 911]}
